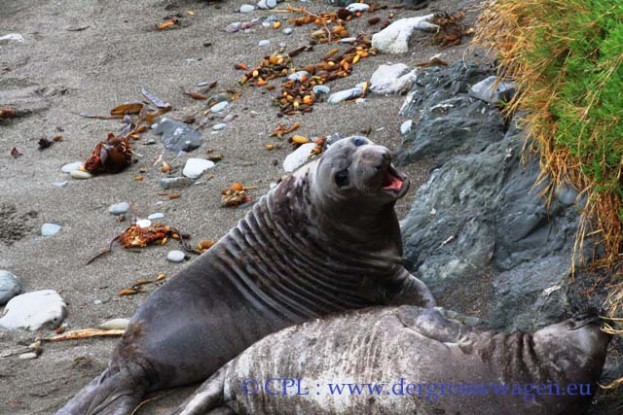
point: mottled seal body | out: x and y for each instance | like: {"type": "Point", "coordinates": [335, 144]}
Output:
{"type": "Point", "coordinates": [324, 240]}
{"type": "Point", "coordinates": [409, 360]}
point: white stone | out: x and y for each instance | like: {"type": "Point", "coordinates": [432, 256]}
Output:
{"type": "Point", "coordinates": [262, 5]}
{"type": "Point", "coordinates": [357, 7]}
{"type": "Point", "coordinates": [62, 184]}
{"type": "Point", "coordinates": [12, 36]}
{"type": "Point", "coordinates": [176, 256]}
{"type": "Point", "coordinates": [263, 43]}
{"type": "Point", "coordinates": [344, 95]}
{"type": "Point", "coordinates": [395, 37]}
{"type": "Point", "coordinates": [33, 310]}
{"type": "Point", "coordinates": [155, 216]}
{"type": "Point", "coordinates": [80, 174]}
{"type": "Point", "coordinates": [298, 157]}
{"type": "Point", "coordinates": [390, 79]}
{"type": "Point", "coordinates": [195, 167]}
{"type": "Point", "coordinates": [246, 8]}
{"type": "Point", "coordinates": [287, 31]}
{"type": "Point", "coordinates": [298, 76]}
{"type": "Point", "coordinates": [50, 229]}
{"type": "Point", "coordinates": [115, 324]}
{"type": "Point", "coordinates": [219, 107]}
{"type": "Point", "coordinates": [119, 208]}
{"type": "Point", "coordinates": [405, 127]}
{"type": "Point", "coordinates": [271, 4]}
{"type": "Point", "coordinates": [69, 167]}
{"type": "Point", "coordinates": [143, 223]}
{"type": "Point", "coordinates": [218, 127]}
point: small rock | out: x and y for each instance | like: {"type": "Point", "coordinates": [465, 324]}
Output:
{"type": "Point", "coordinates": [262, 5]}
{"type": "Point", "coordinates": [229, 117]}
{"type": "Point", "coordinates": [16, 37]}
{"type": "Point", "coordinates": [68, 168]}
{"type": "Point", "coordinates": [298, 157]}
{"type": "Point", "coordinates": [347, 39]}
{"type": "Point", "coordinates": [246, 8]}
{"type": "Point", "coordinates": [298, 76]}
{"type": "Point", "coordinates": [174, 182]}
{"type": "Point", "coordinates": [391, 79]}
{"type": "Point", "coordinates": [321, 90]}
{"type": "Point", "coordinates": [177, 136]}
{"type": "Point", "coordinates": [233, 27]}
{"type": "Point", "coordinates": [195, 167]}
{"type": "Point", "coordinates": [50, 229]}
{"type": "Point", "coordinates": [215, 157]}
{"type": "Point", "coordinates": [395, 37]}
{"type": "Point", "coordinates": [357, 7]}
{"type": "Point", "coordinates": [270, 19]}
{"type": "Point", "coordinates": [155, 216]}
{"type": "Point", "coordinates": [143, 223]}
{"type": "Point", "coordinates": [347, 94]}
{"type": "Point", "coordinates": [9, 286]}
{"type": "Point", "coordinates": [62, 184]}
{"type": "Point", "coordinates": [34, 310]}
{"type": "Point", "coordinates": [80, 174]}
{"type": "Point", "coordinates": [263, 43]}
{"type": "Point", "coordinates": [150, 142]}
{"type": "Point", "coordinates": [287, 31]}
{"type": "Point", "coordinates": [176, 256]}
{"type": "Point", "coordinates": [221, 106]}
{"type": "Point", "coordinates": [405, 127]}
{"type": "Point", "coordinates": [115, 324]}
{"type": "Point", "coordinates": [488, 91]}
{"type": "Point", "coordinates": [119, 208]}
{"type": "Point", "coordinates": [28, 356]}
{"type": "Point", "coordinates": [218, 127]}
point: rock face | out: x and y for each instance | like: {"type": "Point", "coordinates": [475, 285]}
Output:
{"type": "Point", "coordinates": [480, 229]}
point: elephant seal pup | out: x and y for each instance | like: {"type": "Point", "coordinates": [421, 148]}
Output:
{"type": "Point", "coordinates": [326, 239]}
{"type": "Point", "coordinates": [409, 360]}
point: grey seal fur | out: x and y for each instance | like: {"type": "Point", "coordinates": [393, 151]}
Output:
{"type": "Point", "coordinates": [404, 347]}
{"type": "Point", "coordinates": [325, 240]}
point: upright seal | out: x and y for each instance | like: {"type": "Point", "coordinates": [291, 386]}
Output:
{"type": "Point", "coordinates": [325, 240]}
{"type": "Point", "coordinates": [405, 361]}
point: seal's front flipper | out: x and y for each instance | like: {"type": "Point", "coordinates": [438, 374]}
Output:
{"type": "Point", "coordinates": [208, 399]}
{"type": "Point", "coordinates": [407, 289]}
{"type": "Point", "coordinates": [108, 394]}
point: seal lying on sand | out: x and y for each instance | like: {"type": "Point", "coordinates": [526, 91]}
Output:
{"type": "Point", "coordinates": [426, 364]}
{"type": "Point", "coordinates": [324, 240]}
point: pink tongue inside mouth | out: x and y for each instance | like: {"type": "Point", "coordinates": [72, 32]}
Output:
{"type": "Point", "coordinates": [391, 182]}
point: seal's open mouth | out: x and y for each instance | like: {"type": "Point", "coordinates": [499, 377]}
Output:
{"type": "Point", "coordinates": [393, 180]}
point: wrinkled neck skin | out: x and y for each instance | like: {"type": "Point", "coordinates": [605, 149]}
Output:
{"type": "Point", "coordinates": [362, 225]}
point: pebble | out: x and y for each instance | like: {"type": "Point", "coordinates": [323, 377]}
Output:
{"type": "Point", "coordinates": [143, 223]}
{"type": "Point", "coordinates": [348, 40]}
{"type": "Point", "coordinates": [344, 95]}
{"type": "Point", "coordinates": [174, 182]}
{"type": "Point", "coordinates": [155, 216]}
{"type": "Point", "coordinates": [34, 310]}
{"type": "Point", "coordinates": [115, 324]}
{"type": "Point", "coordinates": [357, 7]}
{"type": "Point", "coordinates": [28, 356]}
{"type": "Point", "coordinates": [229, 117]}
{"type": "Point", "coordinates": [12, 37]}
{"type": "Point", "coordinates": [69, 167]}
{"type": "Point", "coordinates": [195, 167]}
{"type": "Point", "coordinates": [287, 31]}
{"type": "Point", "coordinates": [61, 184]}
{"type": "Point", "coordinates": [80, 174]}
{"type": "Point", "coordinates": [218, 127]}
{"type": "Point", "coordinates": [233, 27]}
{"type": "Point", "coordinates": [50, 229]}
{"type": "Point", "coordinates": [492, 91]}
{"type": "Point", "coordinates": [319, 90]}
{"type": "Point", "coordinates": [119, 208]}
{"type": "Point", "coordinates": [298, 76]}
{"type": "Point", "coordinates": [246, 8]}
{"type": "Point", "coordinates": [405, 127]}
{"type": "Point", "coordinates": [262, 5]}
{"type": "Point", "coordinates": [271, 4]}
{"type": "Point", "coordinates": [391, 79]}
{"type": "Point", "coordinates": [221, 106]}
{"type": "Point", "coordinates": [298, 157]}
{"type": "Point", "coordinates": [9, 286]}
{"type": "Point", "coordinates": [150, 142]}
{"type": "Point", "coordinates": [177, 136]}
{"type": "Point", "coordinates": [176, 256]}
{"type": "Point", "coordinates": [263, 43]}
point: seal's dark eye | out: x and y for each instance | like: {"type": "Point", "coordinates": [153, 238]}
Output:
{"type": "Point", "coordinates": [341, 178]}
{"type": "Point", "coordinates": [359, 141]}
